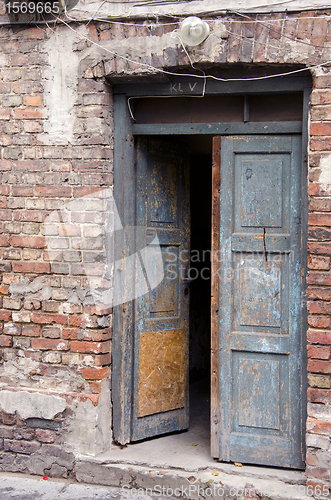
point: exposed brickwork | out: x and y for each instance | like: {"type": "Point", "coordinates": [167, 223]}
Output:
{"type": "Point", "coordinates": [33, 446]}
{"type": "Point", "coordinates": [52, 259]}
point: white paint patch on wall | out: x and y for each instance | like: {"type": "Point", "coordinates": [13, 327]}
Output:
{"type": "Point", "coordinates": [325, 175]}
{"type": "Point", "coordinates": [61, 77]}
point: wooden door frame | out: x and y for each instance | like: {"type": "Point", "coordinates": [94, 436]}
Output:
{"type": "Point", "coordinates": [124, 194]}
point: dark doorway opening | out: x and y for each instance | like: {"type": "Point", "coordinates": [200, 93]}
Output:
{"type": "Point", "coordinates": [200, 292]}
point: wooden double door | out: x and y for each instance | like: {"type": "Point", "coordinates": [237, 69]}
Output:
{"type": "Point", "coordinates": [256, 339]}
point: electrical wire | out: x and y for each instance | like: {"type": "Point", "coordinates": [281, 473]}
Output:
{"type": "Point", "coordinates": [282, 34]}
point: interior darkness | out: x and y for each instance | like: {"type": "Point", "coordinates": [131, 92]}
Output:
{"type": "Point", "coordinates": [219, 109]}
{"type": "Point", "coordinates": [200, 286]}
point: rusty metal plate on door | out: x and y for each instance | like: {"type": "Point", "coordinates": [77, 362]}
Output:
{"type": "Point", "coordinates": [161, 371]}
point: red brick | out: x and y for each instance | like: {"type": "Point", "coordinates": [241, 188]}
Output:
{"type": "Point", "coordinates": [315, 307]}
{"type": "Point", "coordinates": [4, 289]}
{"type": "Point", "coordinates": [311, 459]}
{"type": "Point", "coordinates": [33, 34]}
{"type": "Point", "coordinates": [70, 333]}
{"type": "Point", "coordinates": [83, 321]}
{"type": "Point", "coordinates": [319, 278]}
{"type": "Point", "coordinates": [98, 335]}
{"type": "Point", "coordinates": [320, 128]}
{"type": "Point", "coordinates": [8, 419]}
{"type": "Point", "coordinates": [318, 352]}
{"type": "Point", "coordinates": [318, 426]}
{"type": "Point", "coordinates": [318, 472]}
{"type": "Point", "coordinates": [98, 310]}
{"type": "Point", "coordinates": [319, 337]}
{"type": "Point", "coordinates": [31, 267]}
{"type": "Point", "coordinates": [315, 366]}
{"type": "Point", "coordinates": [89, 347]}
{"type": "Point", "coordinates": [319, 263]}
{"type": "Point", "coordinates": [4, 240]}
{"type": "Point", "coordinates": [322, 322]}
{"type": "Point", "coordinates": [5, 214]}
{"type": "Point", "coordinates": [29, 241]}
{"type": "Point", "coordinates": [50, 344]}
{"type": "Point", "coordinates": [29, 215]}
{"type": "Point", "coordinates": [95, 386]}
{"type": "Point", "coordinates": [31, 330]}
{"type": "Point", "coordinates": [48, 319]}
{"type": "Point", "coordinates": [319, 396]}
{"type": "Point", "coordinates": [22, 191]}
{"type": "Point", "coordinates": [5, 315]}
{"type": "Point", "coordinates": [316, 189]}
{"type": "Point", "coordinates": [53, 191]}
{"type": "Point", "coordinates": [319, 248]}
{"type": "Point", "coordinates": [6, 341]}
{"type": "Point", "coordinates": [26, 114]}
{"type": "Point", "coordinates": [44, 436]}
{"type": "Point", "coordinates": [102, 359]}
{"type": "Point", "coordinates": [95, 373]}
{"type": "Point", "coordinates": [29, 100]}
{"type": "Point", "coordinates": [319, 219]}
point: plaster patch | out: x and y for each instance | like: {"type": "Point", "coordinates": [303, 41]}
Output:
{"type": "Point", "coordinates": [60, 87]}
{"type": "Point", "coordinates": [31, 405]}
{"type": "Point", "coordinates": [325, 175]}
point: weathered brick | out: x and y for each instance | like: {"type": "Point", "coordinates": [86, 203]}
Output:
{"type": "Point", "coordinates": [83, 321]}
{"type": "Point", "coordinates": [319, 322]}
{"type": "Point", "coordinates": [50, 344]}
{"type": "Point", "coordinates": [319, 263]}
{"type": "Point", "coordinates": [318, 472]}
{"type": "Point", "coordinates": [52, 332]}
{"type": "Point", "coordinates": [52, 191]}
{"type": "Point", "coordinates": [319, 381]}
{"type": "Point", "coordinates": [95, 373]}
{"type": "Point", "coordinates": [319, 337]}
{"type": "Point", "coordinates": [9, 303]}
{"type": "Point", "coordinates": [89, 347]}
{"type": "Point", "coordinates": [31, 267]}
{"type": "Point", "coordinates": [31, 330]}
{"type": "Point", "coordinates": [315, 307]}
{"type": "Point", "coordinates": [48, 319]}
{"type": "Point", "coordinates": [26, 114]}
{"type": "Point", "coordinates": [45, 436]}
{"type": "Point", "coordinates": [318, 352]}
{"type": "Point", "coordinates": [21, 446]}
{"type": "Point", "coordinates": [6, 341]}
{"type": "Point", "coordinates": [29, 241]}
{"type": "Point", "coordinates": [317, 366]}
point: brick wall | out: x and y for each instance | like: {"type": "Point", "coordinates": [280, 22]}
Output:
{"type": "Point", "coordinates": [53, 336]}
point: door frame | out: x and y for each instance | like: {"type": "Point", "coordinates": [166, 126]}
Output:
{"type": "Point", "coordinates": [124, 193]}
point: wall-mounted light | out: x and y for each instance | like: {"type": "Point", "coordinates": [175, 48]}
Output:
{"type": "Point", "coordinates": [193, 31]}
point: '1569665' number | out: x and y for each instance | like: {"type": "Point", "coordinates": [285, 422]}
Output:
{"type": "Point", "coordinates": [33, 7]}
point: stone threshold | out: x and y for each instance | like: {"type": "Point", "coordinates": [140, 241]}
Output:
{"type": "Point", "coordinates": [222, 482]}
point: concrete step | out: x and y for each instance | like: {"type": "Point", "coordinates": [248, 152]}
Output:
{"type": "Point", "coordinates": [219, 483]}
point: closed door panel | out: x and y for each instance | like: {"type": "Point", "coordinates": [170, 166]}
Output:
{"type": "Point", "coordinates": [260, 340]}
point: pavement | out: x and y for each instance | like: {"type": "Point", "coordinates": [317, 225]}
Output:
{"type": "Point", "coordinates": [24, 487]}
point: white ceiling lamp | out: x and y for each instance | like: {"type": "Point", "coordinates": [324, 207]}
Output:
{"type": "Point", "coordinates": [193, 31]}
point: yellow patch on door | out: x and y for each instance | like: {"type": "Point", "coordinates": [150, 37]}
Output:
{"type": "Point", "coordinates": [161, 381]}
